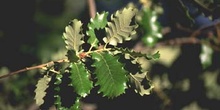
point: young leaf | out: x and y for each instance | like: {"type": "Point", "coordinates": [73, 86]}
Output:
{"type": "Point", "coordinates": [80, 79]}
{"type": "Point", "coordinates": [138, 79]}
{"type": "Point", "coordinates": [99, 22]}
{"type": "Point", "coordinates": [110, 74]}
{"type": "Point", "coordinates": [41, 86]}
{"type": "Point", "coordinates": [120, 29]}
{"type": "Point", "coordinates": [73, 36]}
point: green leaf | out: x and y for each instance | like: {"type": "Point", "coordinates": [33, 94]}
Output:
{"type": "Point", "coordinates": [80, 79]}
{"type": "Point", "coordinates": [155, 56]}
{"type": "Point", "coordinates": [41, 86]}
{"type": "Point", "coordinates": [134, 54]}
{"type": "Point", "coordinates": [119, 29]}
{"type": "Point", "coordinates": [138, 80]}
{"type": "Point", "coordinates": [71, 55]}
{"type": "Point", "coordinates": [99, 22]}
{"type": "Point", "coordinates": [73, 36]}
{"type": "Point", "coordinates": [76, 106]}
{"type": "Point", "coordinates": [110, 73]}
{"type": "Point", "coordinates": [151, 27]}
{"type": "Point", "coordinates": [57, 89]}
{"type": "Point", "coordinates": [206, 56]}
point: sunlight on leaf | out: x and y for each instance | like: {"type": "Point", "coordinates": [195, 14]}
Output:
{"type": "Point", "coordinates": [73, 36]}
{"type": "Point", "coordinates": [206, 56]}
{"type": "Point", "coordinates": [111, 77]}
{"type": "Point", "coordinates": [99, 22]}
{"type": "Point", "coordinates": [150, 26]}
{"type": "Point", "coordinates": [41, 86]}
{"type": "Point", "coordinates": [80, 79]}
{"type": "Point", "coordinates": [119, 29]}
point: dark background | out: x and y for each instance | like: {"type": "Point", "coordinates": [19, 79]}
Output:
{"type": "Point", "coordinates": [30, 34]}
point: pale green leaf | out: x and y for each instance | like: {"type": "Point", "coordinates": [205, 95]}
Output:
{"type": "Point", "coordinates": [41, 86]}
{"type": "Point", "coordinates": [73, 36]}
{"type": "Point", "coordinates": [119, 29]}
{"type": "Point", "coordinates": [137, 80]}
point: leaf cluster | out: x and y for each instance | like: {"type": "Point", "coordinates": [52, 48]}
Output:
{"type": "Point", "coordinates": [103, 65]}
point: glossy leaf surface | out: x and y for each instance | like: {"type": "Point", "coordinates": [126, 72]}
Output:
{"type": "Point", "coordinates": [111, 77]}
{"type": "Point", "coordinates": [80, 79]}
{"type": "Point", "coordinates": [99, 22]}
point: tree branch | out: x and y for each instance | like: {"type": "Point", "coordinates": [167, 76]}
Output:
{"type": "Point", "coordinates": [92, 8]}
{"type": "Point", "coordinates": [51, 63]}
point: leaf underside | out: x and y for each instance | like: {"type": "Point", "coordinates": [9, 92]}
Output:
{"type": "Point", "coordinates": [111, 77]}
{"type": "Point", "coordinates": [41, 86]}
{"type": "Point", "coordinates": [119, 29]}
{"type": "Point", "coordinates": [138, 80]}
{"type": "Point", "coordinates": [73, 36]}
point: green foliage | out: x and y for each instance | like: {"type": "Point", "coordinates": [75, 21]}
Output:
{"type": "Point", "coordinates": [80, 79]}
{"type": "Point", "coordinates": [120, 29]}
{"type": "Point", "coordinates": [150, 26]}
{"type": "Point", "coordinates": [110, 74]}
{"type": "Point", "coordinates": [206, 56]}
{"type": "Point", "coordinates": [103, 62]}
{"type": "Point", "coordinates": [99, 22]}
{"type": "Point", "coordinates": [42, 85]}
{"type": "Point", "coordinates": [57, 89]}
{"type": "Point", "coordinates": [73, 36]}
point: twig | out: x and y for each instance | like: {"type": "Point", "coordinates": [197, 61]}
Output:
{"type": "Point", "coordinates": [51, 63]}
{"type": "Point", "coordinates": [193, 37]}
{"type": "Point", "coordinates": [92, 8]}
{"type": "Point", "coordinates": [218, 31]}
{"type": "Point", "coordinates": [180, 41]}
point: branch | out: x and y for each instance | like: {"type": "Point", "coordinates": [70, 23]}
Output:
{"type": "Point", "coordinates": [51, 63]}
{"type": "Point", "coordinates": [194, 34]}
{"type": "Point", "coordinates": [92, 8]}
{"type": "Point", "coordinates": [187, 40]}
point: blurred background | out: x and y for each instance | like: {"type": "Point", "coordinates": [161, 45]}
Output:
{"type": "Point", "coordinates": [186, 77]}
